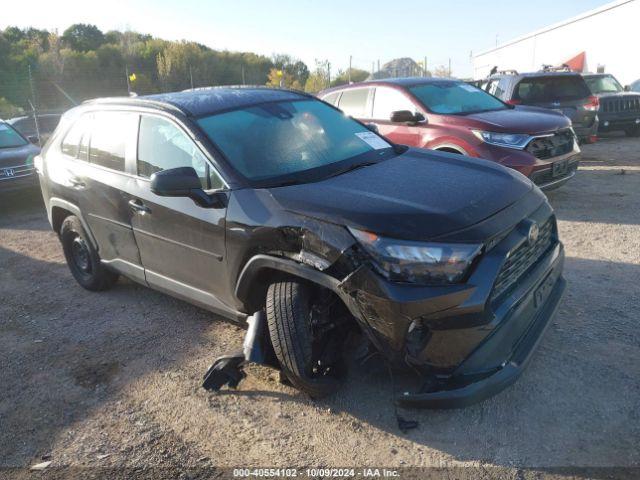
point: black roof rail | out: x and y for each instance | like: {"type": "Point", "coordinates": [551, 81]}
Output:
{"type": "Point", "coordinates": [260, 87]}
{"type": "Point", "coordinates": [136, 102]}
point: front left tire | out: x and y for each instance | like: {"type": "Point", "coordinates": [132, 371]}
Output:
{"type": "Point", "coordinates": [82, 258]}
{"type": "Point", "coordinates": [298, 345]}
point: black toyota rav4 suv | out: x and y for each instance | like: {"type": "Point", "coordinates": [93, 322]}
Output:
{"type": "Point", "coordinates": [271, 204]}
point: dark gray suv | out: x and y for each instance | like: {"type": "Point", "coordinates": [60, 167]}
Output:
{"type": "Point", "coordinates": [619, 107]}
{"type": "Point", "coordinates": [564, 92]}
{"type": "Point", "coordinates": [275, 206]}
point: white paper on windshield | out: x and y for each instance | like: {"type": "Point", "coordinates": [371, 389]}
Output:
{"type": "Point", "coordinates": [373, 140]}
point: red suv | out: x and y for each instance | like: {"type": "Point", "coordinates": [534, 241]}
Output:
{"type": "Point", "coordinates": [456, 117]}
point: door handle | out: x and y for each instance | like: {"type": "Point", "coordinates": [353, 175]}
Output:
{"type": "Point", "coordinates": [76, 182]}
{"type": "Point", "coordinates": [138, 206]}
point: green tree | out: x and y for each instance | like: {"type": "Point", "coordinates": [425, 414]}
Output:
{"type": "Point", "coordinates": [357, 75]}
{"type": "Point", "coordinates": [441, 71]}
{"type": "Point", "coordinates": [83, 37]}
{"type": "Point", "coordinates": [294, 69]}
{"type": "Point", "coordinates": [319, 78]}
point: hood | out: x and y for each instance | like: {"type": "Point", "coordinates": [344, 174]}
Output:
{"type": "Point", "coordinates": [418, 195]}
{"type": "Point", "coordinates": [11, 157]}
{"type": "Point", "coordinates": [521, 119]}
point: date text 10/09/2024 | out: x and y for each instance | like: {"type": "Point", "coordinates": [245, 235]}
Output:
{"type": "Point", "coordinates": [316, 472]}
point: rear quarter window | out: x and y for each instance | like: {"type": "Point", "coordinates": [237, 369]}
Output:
{"type": "Point", "coordinates": [332, 98]}
{"type": "Point", "coordinates": [551, 89]}
{"type": "Point", "coordinates": [109, 134]}
{"type": "Point", "coordinates": [355, 102]}
{"type": "Point", "coordinates": [72, 140]}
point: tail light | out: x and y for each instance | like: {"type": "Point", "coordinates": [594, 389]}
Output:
{"type": "Point", "coordinates": [514, 102]}
{"type": "Point", "coordinates": [593, 103]}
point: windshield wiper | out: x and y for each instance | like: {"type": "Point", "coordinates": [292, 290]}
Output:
{"type": "Point", "coordinates": [351, 168]}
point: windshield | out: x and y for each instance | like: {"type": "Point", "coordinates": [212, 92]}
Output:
{"type": "Point", "coordinates": [9, 138]}
{"type": "Point", "coordinates": [455, 98]}
{"type": "Point", "coordinates": [294, 141]}
{"type": "Point", "coordinates": [552, 89]}
{"type": "Point", "coordinates": [604, 84]}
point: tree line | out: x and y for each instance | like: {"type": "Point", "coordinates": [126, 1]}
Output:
{"type": "Point", "coordinates": [45, 70]}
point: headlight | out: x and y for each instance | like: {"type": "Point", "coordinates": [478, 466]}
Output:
{"type": "Point", "coordinates": [416, 262]}
{"type": "Point", "coordinates": [509, 140]}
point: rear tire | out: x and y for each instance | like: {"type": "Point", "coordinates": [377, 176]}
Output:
{"type": "Point", "coordinates": [289, 305]}
{"type": "Point", "coordinates": [83, 260]}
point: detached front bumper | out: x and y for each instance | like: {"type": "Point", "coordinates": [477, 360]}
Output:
{"type": "Point", "coordinates": [468, 341]}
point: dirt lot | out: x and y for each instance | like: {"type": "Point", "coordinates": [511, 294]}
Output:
{"type": "Point", "coordinates": [112, 379]}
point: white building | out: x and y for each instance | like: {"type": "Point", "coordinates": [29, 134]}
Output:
{"type": "Point", "coordinates": [608, 36]}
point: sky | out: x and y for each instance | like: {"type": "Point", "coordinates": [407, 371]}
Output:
{"type": "Point", "coordinates": [367, 31]}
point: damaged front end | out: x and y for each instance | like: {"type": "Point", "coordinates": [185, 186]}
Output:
{"type": "Point", "coordinates": [468, 339]}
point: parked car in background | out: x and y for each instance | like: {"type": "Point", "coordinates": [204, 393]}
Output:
{"type": "Point", "coordinates": [26, 125]}
{"type": "Point", "coordinates": [16, 160]}
{"type": "Point", "coordinates": [564, 92]}
{"type": "Point", "coordinates": [272, 204]}
{"type": "Point", "coordinates": [456, 117]}
{"type": "Point", "coordinates": [619, 108]}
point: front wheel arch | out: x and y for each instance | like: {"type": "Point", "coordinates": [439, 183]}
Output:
{"type": "Point", "coordinates": [261, 270]}
{"type": "Point", "coordinates": [450, 149]}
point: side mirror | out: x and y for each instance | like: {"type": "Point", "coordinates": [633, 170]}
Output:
{"type": "Point", "coordinates": [184, 182]}
{"type": "Point", "coordinates": [34, 139]}
{"type": "Point", "coordinates": [405, 116]}
{"type": "Point", "coordinates": [373, 127]}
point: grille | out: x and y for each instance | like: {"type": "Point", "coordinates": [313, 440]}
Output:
{"type": "Point", "coordinates": [544, 177]}
{"type": "Point", "coordinates": [623, 104]}
{"type": "Point", "coordinates": [11, 173]}
{"type": "Point", "coordinates": [522, 258]}
{"type": "Point", "coordinates": [548, 147]}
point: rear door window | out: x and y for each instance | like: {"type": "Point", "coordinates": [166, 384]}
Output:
{"type": "Point", "coordinates": [355, 102]}
{"type": "Point", "coordinates": [551, 89]}
{"type": "Point", "coordinates": [387, 100]}
{"type": "Point", "coordinates": [109, 134]}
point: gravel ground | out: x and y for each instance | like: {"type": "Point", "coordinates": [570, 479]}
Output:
{"type": "Point", "coordinates": [111, 380]}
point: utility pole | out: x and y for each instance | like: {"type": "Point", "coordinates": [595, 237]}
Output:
{"type": "Point", "coordinates": [425, 66]}
{"type": "Point", "coordinates": [373, 68]}
{"type": "Point", "coordinates": [449, 67]}
{"type": "Point", "coordinates": [328, 74]}
{"type": "Point", "coordinates": [33, 90]}
{"type": "Point", "coordinates": [378, 66]}
{"type": "Point", "coordinates": [243, 83]}
{"type": "Point", "coordinates": [191, 76]}
{"type": "Point", "coordinates": [126, 73]}
{"type": "Point", "coordinates": [35, 121]}
{"type": "Point", "coordinates": [349, 74]}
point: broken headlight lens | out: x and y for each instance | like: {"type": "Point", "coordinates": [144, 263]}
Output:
{"type": "Point", "coordinates": [510, 140]}
{"type": "Point", "coordinates": [416, 262]}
